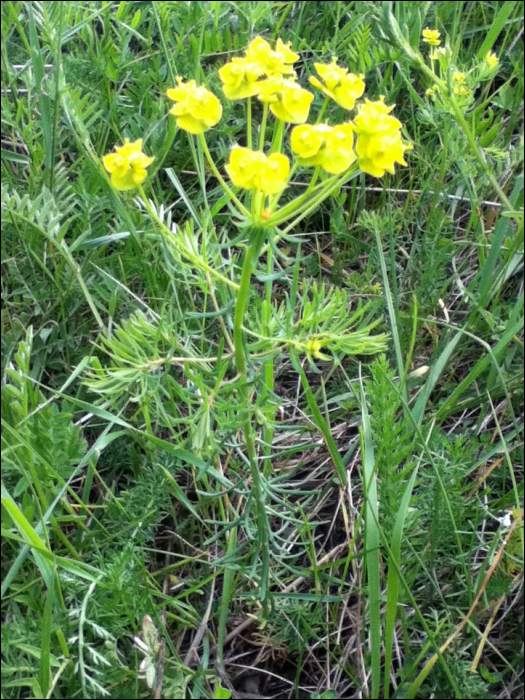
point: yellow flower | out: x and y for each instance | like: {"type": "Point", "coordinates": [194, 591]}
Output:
{"type": "Point", "coordinates": [459, 77]}
{"type": "Point", "coordinates": [289, 102]}
{"type": "Point", "coordinates": [196, 108]}
{"type": "Point", "coordinates": [377, 154]}
{"type": "Point", "coordinates": [313, 347]}
{"type": "Point", "coordinates": [254, 170]}
{"type": "Point", "coordinates": [379, 145]}
{"type": "Point", "coordinates": [244, 167]}
{"type": "Point", "coordinates": [374, 118]}
{"type": "Point", "coordinates": [127, 167]}
{"type": "Point", "coordinates": [492, 60]}
{"type": "Point", "coordinates": [240, 78]}
{"type": "Point", "coordinates": [343, 87]}
{"type": "Point", "coordinates": [431, 36]}
{"type": "Point", "coordinates": [307, 140]}
{"type": "Point", "coordinates": [330, 147]}
{"type": "Point", "coordinates": [273, 174]}
{"type": "Point", "coordinates": [272, 62]}
{"type": "Point", "coordinates": [463, 91]}
{"type": "Point", "coordinates": [438, 53]}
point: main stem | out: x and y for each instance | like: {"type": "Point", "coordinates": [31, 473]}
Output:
{"type": "Point", "coordinates": [241, 363]}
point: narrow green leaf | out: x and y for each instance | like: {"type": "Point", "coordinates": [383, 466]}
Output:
{"type": "Point", "coordinates": [372, 541]}
{"type": "Point", "coordinates": [497, 27]}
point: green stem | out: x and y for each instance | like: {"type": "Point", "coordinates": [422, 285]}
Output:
{"type": "Point", "coordinates": [278, 134]}
{"type": "Point", "coordinates": [315, 177]}
{"type": "Point", "coordinates": [294, 206]}
{"type": "Point", "coordinates": [313, 204]}
{"type": "Point", "coordinates": [262, 133]}
{"type": "Point", "coordinates": [241, 364]}
{"type": "Point", "coordinates": [323, 109]}
{"type": "Point", "coordinates": [220, 178]}
{"type": "Point", "coordinates": [269, 366]}
{"type": "Point", "coordinates": [249, 137]}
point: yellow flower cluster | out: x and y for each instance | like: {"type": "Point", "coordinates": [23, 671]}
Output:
{"type": "Point", "coordinates": [127, 166]}
{"type": "Point", "coordinates": [269, 75]}
{"type": "Point", "coordinates": [196, 108]}
{"type": "Point", "coordinates": [379, 144]}
{"type": "Point", "coordinates": [331, 148]}
{"type": "Point", "coordinates": [343, 87]}
{"type": "Point", "coordinates": [253, 170]}
{"type": "Point", "coordinates": [432, 37]}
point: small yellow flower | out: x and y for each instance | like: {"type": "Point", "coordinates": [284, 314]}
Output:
{"type": "Point", "coordinates": [313, 347]}
{"type": "Point", "coordinates": [492, 60]}
{"type": "Point", "coordinates": [277, 62]}
{"type": "Point", "coordinates": [343, 87]}
{"type": "Point", "coordinates": [289, 102]}
{"type": "Point", "coordinates": [462, 91]}
{"type": "Point", "coordinates": [254, 170]}
{"type": "Point", "coordinates": [332, 148]}
{"type": "Point", "coordinates": [240, 78]}
{"type": "Point", "coordinates": [196, 108]}
{"type": "Point", "coordinates": [432, 37]}
{"type": "Point", "coordinates": [378, 154]}
{"type": "Point", "coordinates": [459, 77]}
{"type": "Point", "coordinates": [438, 53]}
{"type": "Point", "coordinates": [374, 118]}
{"type": "Point", "coordinates": [127, 167]}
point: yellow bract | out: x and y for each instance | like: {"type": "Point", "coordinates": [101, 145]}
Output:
{"type": "Point", "coordinates": [240, 78]}
{"type": "Point", "coordinates": [432, 37]}
{"type": "Point", "coordinates": [289, 102]}
{"type": "Point", "coordinates": [253, 170]}
{"type": "Point", "coordinates": [377, 154]}
{"type": "Point", "coordinates": [277, 62]}
{"type": "Point", "coordinates": [127, 166]}
{"type": "Point", "coordinates": [343, 87]}
{"type": "Point", "coordinates": [374, 117]}
{"type": "Point", "coordinates": [459, 77]}
{"type": "Point", "coordinates": [492, 60]}
{"type": "Point", "coordinates": [379, 145]}
{"type": "Point", "coordinates": [313, 347]}
{"type": "Point", "coordinates": [196, 108]}
{"type": "Point", "coordinates": [331, 148]}
{"type": "Point", "coordinates": [259, 72]}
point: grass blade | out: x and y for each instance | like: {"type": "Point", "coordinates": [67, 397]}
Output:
{"type": "Point", "coordinates": [371, 544]}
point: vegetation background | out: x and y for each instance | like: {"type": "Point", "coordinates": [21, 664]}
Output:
{"type": "Point", "coordinates": [397, 561]}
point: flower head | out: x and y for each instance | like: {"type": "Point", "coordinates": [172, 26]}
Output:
{"type": "Point", "coordinates": [378, 154]}
{"type": "Point", "coordinates": [272, 62]}
{"type": "Point", "coordinates": [240, 78]}
{"type": "Point", "coordinates": [254, 170]}
{"type": "Point", "coordinates": [336, 82]}
{"type": "Point", "coordinates": [492, 60]}
{"type": "Point", "coordinates": [289, 102]}
{"type": "Point", "coordinates": [127, 166]}
{"type": "Point", "coordinates": [374, 117]}
{"type": "Point", "coordinates": [313, 348]}
{"type": "Point", "coordinates": [332, 148]}
{"type": "Point", "coordinates": [379, 145]}
{"type": "Point", "coordinates": [432, 37]}
{"type": "Point", "coordinates": [459, 77]}
{"type": "Point", "coordinates": [196, 108]}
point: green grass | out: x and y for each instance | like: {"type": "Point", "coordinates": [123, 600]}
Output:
{"type": "Point", "coordinates": [141, 557]}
